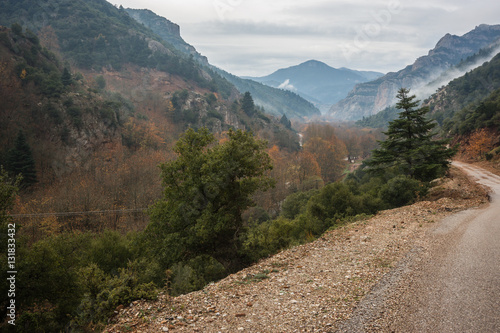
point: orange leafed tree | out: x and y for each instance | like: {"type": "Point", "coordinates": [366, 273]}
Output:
{"type": "Point", "coordinates": [330, 156]}
{"type": "Point", "coordinates": [307, 166]}
{"type": "Point", "coordinates": [480, 142]}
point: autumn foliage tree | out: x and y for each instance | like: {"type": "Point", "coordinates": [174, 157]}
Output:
{"type": "Point", "coordinates": [306, 166]}
{"type": "Point", "coordinates": [328, 150]}
{"type": "Point", "coordinates": [480, 142]}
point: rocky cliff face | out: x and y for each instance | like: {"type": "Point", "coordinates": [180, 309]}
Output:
{"type": "Point", "coordinates": [367, 99]}
{"type": "Point", "coordinates": [167, 30]}
{"type": "Point", "coordinates": [146, 16]}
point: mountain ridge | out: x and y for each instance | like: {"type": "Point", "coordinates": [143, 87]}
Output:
{"type": "Point", "coordinates": [167, 30]}
{"type": "Point", "coordinates": [274, 101]}
{"type": "Point", "coordinates": [316, 81]}
{"type": "Point", "coordinates": [367, 99]}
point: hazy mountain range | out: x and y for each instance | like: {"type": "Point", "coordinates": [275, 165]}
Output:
{"type": "Point", "coordinates": [298, 91]}
{"type": "Point", "coordinates": [369, 98]}
{"type": "Point", "coordinates": [275, 101]}
{"type": "Point", "coordinates": [341, 93]}
{"type": "Point", "coordinates": [317, 82]}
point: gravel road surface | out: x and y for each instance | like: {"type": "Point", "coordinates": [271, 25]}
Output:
{"type": "Point", "coordinates": [451, 283]}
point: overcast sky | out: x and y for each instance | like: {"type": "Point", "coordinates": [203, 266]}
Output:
{"type": "Point", "coordinates": [257, 37]}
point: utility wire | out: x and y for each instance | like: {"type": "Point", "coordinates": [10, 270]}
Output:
{"type": "Point", "coordinates": [121, 211]}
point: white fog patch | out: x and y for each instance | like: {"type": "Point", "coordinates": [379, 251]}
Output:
{"type": "Point", "coordinates": [287, 86]}
{"type": "Point", "coordinates": [450, 75]}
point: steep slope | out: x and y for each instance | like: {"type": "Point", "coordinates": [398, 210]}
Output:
{"type": "Point", "coordinates": [275, 101]}
{"type": "Point", "coordinates": [469, 102]}
{"type": "Point", "coordinates": [65, 120]}
{"type": "Point", "coordinates": [317, 82]}
{"type": "Point", "coordinates": [472, 84]}
{"type": "Point", "coordinates": [145, 90]}
{"type": "Point", "coordinates": [95, 35]}
{"type": "Point", "coordinates": [313, 287]}
{"type": "Point", "coordinates": [167, 30]}
{"type": "Point", "coordinates": [369, 98]}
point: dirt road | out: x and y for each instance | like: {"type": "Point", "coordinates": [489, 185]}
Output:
{"type": "Point", "coordinates": [451, 283]}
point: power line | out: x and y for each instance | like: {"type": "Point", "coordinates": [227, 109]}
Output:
{"type": "Point", "coordinates": [108, 211]}
{"type": "Point", "coordinates": [119, 211]}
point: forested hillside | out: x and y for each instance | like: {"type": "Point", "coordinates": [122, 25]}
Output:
{"type": "Point", "coordinates": [94, 34]}
{"type": "Point", "coordinates": [467, 91]}
{"type": "Point", "coordinates": [57, 110]}
{"type": "Point", "coordinates": [275, 101]}
{"type": "Point", "coordinates": [88, 156]}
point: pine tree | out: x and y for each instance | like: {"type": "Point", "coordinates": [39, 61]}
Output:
{"type": "Point", "coordinates": [410, 145]}
{"type": "Point", "coordinates": [20, 161]}
{"type": "Point", "coordinates": [66, 77]}
{"type": "Point", "coordinates": [247, 104]}
{"type": "Point", "coordinates": [286, 122]}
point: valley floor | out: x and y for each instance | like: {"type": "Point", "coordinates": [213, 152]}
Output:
{"type": "Point", "coordinates": [315, 287]}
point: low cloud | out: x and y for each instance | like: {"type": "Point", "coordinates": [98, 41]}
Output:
{"type": "Point", "coordinates": [451, 74]}
{"type": "Point", "coordinates": [287, 86]}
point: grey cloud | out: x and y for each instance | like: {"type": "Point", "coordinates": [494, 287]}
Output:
{"type": "Point", "coordinates": [228, 27]}
{"type": "Point", "coordinates": [289, 32]}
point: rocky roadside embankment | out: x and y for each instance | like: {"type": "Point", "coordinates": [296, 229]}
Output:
{"type": "Point", "coordinates": [310, 288]}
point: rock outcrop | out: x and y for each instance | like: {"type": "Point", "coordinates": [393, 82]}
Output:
{"type": "Point", "coordinates": [167, 30]}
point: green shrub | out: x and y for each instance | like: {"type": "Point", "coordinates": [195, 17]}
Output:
{"type": "Point", "coordinates": [48, 281]}
{"type": "Point", "coordinates": [76, 115]}
{"type": "Point", "coordinates": [215, 114]}
{"type": "Point", "coordinates": [110, 251]}
{"type": "Point", "coordinates": [44, 321]}
{"type": "Point", "coordinates": [103, 293]}
{"type": "Point", "coordinates": [335, 201]}
{"type": "Point", "coordinates": [264, 239]}
{"type": "Point", "coordinates": [296, 203]}
{"type": "Point", "coordinates": [195, 274]}
{"type": "Point", "coordinates": [402, 190]}
{"type": "Point", "coordinates": [256, 214]}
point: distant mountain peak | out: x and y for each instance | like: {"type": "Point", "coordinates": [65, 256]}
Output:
{"type": "Point", "coordinates": [316, 81]}
{"type": "Point", "coordinates": [313, 62]}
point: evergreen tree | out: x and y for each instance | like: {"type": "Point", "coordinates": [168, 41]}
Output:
{"type": "Point", "coordinates": [410, 145]}
{"type": "Point", "coordinates": [66, 77]}
{"type": "Point", "coordinates": [247, 104]}
{"type": "Point", "coordinates": [286, 122]}
{"type": "Point", "coordinates": [20, 161]}
{"type": "Point", "coordinates": [17, 29]}
{"type": "Point", "coordinates": [207, 188]}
